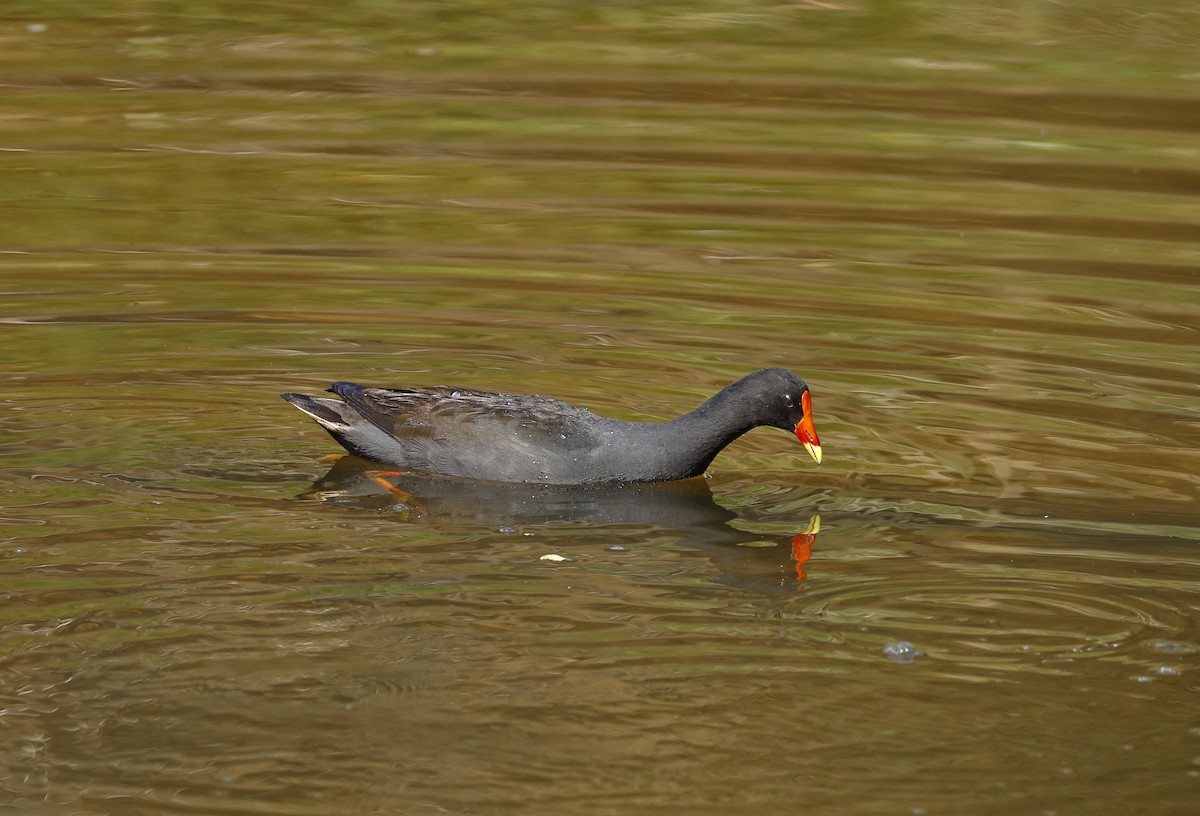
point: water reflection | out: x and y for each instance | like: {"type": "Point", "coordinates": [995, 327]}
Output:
{"type": "Point", "coordinates": [745, 560]}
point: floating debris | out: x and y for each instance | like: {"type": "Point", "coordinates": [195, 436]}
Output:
{"type": "Point", "coordinates": [553, 557]}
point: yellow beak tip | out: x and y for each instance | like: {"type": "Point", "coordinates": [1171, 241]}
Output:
{"type": "Point", "coordinates": [814, 451]}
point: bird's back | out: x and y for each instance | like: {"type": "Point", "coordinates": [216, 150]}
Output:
{"type": "Point", "coordinates": [481, 434]}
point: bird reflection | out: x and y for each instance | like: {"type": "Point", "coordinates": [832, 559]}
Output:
{"type": "Point", "coordinates": [745, 560]}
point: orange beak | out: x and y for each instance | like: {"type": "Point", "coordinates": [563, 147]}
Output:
{"type": "Point", "coordinates": [806, 432]}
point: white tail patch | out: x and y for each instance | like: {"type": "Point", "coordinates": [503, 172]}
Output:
{"type": "Point", "coordinates": [337, 426]}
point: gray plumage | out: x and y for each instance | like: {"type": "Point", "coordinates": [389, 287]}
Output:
{"type": "Point", "coordinates": [527, 438]}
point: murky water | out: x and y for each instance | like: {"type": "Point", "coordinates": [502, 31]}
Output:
{"type": "Point", "coordinates": [980, 246]}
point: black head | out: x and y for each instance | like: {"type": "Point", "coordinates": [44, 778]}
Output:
{"type": "Point", "coordinates": [783, 401]}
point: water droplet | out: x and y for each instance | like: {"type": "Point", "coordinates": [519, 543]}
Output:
{"type": "Point", "coordinates": [901, 652]}
{"type": "Point", "coordinates": [506, 530]}
{"type": "Point", "coordinates": [617, 548]}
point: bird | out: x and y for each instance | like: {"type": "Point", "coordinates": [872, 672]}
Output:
{"type": "Point", "coordinates": [526, 438]}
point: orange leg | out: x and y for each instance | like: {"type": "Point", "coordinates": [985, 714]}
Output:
{"type": "Point", "coordinates": [377, 476]}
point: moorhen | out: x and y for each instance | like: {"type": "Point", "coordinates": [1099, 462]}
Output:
{"type": "Point", "coordinates": [527, 438]}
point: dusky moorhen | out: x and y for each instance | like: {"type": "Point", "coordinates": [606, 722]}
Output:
{"type": "Point", "coordinates": [527, 438]}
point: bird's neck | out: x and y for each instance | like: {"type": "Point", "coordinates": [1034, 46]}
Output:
{"type": "Point", "coordinates": [686, 446]}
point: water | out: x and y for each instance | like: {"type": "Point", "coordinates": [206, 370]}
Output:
{"type": "Point", "coordinates": [974, 233]}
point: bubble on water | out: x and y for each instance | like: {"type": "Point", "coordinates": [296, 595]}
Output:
{"type": "Point", "coordinates": [618, 548]}
{"type": "Point", "coordinates": [901, 652]}
{"type": "Point", "coordinates": [18, 550]}
{"type": "Point", "coordinates": [1167, 671]}
{"type": "Point", "coordinates": [506, 530]}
